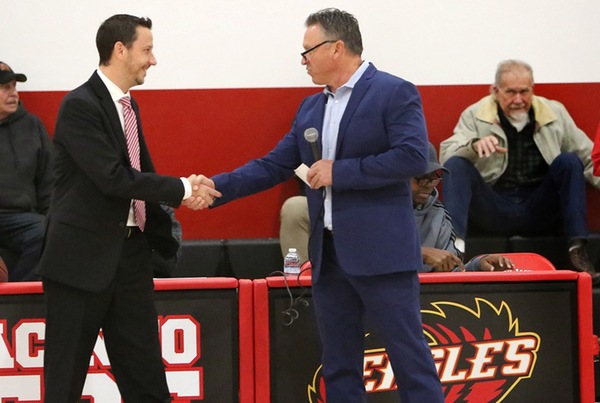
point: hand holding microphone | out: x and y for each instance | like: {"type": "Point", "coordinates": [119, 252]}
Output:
{"type": "Point", "coordinates": [320, 173]}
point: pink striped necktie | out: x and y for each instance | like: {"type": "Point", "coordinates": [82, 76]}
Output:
{"type": "Point", "coordinates": [133, 147]}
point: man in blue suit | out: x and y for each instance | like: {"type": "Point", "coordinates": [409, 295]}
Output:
{"type": "Point", "coordinates": [364, 244]}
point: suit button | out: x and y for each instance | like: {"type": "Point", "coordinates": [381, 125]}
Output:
{"type": "Point", "coordinates": [122, 224]}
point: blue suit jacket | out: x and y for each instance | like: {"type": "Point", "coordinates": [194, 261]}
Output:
{"type": "Point", "coordinates": [382, 143]}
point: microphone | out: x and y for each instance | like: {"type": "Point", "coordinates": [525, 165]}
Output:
{"type": "Point", "coordinates": [312, 135]}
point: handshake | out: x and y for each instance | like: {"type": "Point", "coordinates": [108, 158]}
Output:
{"type": "Point", "coordinates": [203, 193]}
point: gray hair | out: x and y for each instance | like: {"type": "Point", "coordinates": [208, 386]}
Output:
{"type": "Point", "coordinates": [338, 25]}
{"type": "Point", "coordinates": [509, 65]}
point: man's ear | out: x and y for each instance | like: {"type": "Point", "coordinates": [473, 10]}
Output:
{"type": "Point", "coordinates": [494, 91]}
{"type": "Point", "coordinates": [119, 50]}
{"type": "Point", "coordinates": [339, 47]}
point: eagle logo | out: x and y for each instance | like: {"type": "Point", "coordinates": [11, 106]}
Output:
{"type": "Point", "coordinates": [480, 353]}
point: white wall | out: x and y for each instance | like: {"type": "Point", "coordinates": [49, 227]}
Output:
{"type": "Point", "coordinates": [240, 44]}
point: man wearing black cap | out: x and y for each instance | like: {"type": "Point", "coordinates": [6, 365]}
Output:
{"type": "Point", "coordinates": [26, 179]}
{"type": "Point", "coordinates": [438, 248]}
{"type": "Point", "coordinates": [438, 238]}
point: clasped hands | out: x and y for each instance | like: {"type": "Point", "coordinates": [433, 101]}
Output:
{"type": "Point", "coordinates": [441, 260]}
{"type": "Point", "coordinates": [203, 193]}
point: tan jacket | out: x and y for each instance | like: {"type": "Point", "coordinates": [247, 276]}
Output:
{"type": "Point", "coordinates": [555, 133]}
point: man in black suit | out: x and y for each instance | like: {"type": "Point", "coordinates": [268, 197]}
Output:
{"type": "Point", "coordinates": [105, 219]}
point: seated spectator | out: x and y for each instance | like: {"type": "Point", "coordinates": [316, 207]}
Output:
{"type": "Point", "coordinates": [294, 226]}
{"type": "Point", "coordinates": [519, 165]}
{"type": "Point", "coordinates": [435, 227]}
{"type": "Point", "coordinates": [436, 232]}
{"type": "Point", "coordinates": [26, 178]}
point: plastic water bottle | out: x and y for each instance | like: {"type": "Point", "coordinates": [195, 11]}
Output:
{"type": "Point", "coordinates": [291, 263]}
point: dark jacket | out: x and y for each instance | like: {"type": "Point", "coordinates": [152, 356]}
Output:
{"type": "Point", "coordinates": [94, 187]}
{"type": "Point", "coordinates": [26, 158]}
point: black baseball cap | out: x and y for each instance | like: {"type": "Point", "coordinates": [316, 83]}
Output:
{"type": "Point", "coordinates": [7, 75]}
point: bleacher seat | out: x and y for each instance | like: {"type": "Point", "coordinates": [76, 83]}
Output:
{"type": "Point", "coordinates": [9, 257]}
{"type": "Point", "coordinates": [553, 248]}
{"type": "Point", "coordinates": [253, 258]}
{"type": "Point", "coordinates": [530, 261]}
{"type": "Point", "coordinates": [201, 258]}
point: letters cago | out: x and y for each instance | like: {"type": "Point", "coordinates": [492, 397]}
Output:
{"type": "Point", "coordinates": [22, 362]}
{"type": "Point", "coordinates": [483, 362]}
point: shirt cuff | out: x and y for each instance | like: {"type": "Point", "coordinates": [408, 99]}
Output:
{"type": "Point", "coordinates": [187, 188]}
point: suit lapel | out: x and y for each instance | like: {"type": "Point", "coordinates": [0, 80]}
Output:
{"type": "Point", "coordinates": [109, 108]}
{"type": "Point", "coordinates": [319, 117]}
{"type": "Point", "coordinates": [358, 93]}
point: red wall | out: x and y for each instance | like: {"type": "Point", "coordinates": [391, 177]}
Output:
{"type": "Point", "coordinates": [209, 131]}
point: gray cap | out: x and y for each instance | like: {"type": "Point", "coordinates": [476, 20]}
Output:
{"type": "Point", "coordinates": [433, 164]}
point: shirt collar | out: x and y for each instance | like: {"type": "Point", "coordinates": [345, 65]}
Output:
{"type": "Point", "coordinates": [353, 80]}
{"type": "Point", "coordinates": [113, 89]}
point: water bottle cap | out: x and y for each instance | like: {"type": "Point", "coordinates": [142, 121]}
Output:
{"type": "Point", "coordinates": [293, 250]}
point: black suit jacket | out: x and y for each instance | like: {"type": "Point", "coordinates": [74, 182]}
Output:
{"type": "Point", "coordinates": [93, 190]}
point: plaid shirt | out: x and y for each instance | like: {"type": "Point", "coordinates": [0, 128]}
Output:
{"type": "Point", "coordinates": [526, 166]}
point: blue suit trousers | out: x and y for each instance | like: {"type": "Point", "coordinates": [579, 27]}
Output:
{"type": "Point", "coordinates": [391, 303]}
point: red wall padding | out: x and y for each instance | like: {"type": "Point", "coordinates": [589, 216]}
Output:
{"type": "Point", "coordinates": [209, 131]}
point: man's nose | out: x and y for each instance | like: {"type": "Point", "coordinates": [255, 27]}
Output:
{"type": "Point", "coordinates": [518, 99]}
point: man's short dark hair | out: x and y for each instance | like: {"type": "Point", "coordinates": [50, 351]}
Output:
{"type": "Point", "coordinates": [338, 25]}
{"type": "Point", "coordinates": [118, 28]}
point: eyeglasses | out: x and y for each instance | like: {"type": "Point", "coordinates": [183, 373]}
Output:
{"type": "Point", "coordinates": [434, 179]}
{"type": "Point", "coordinates": [303, 54]}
